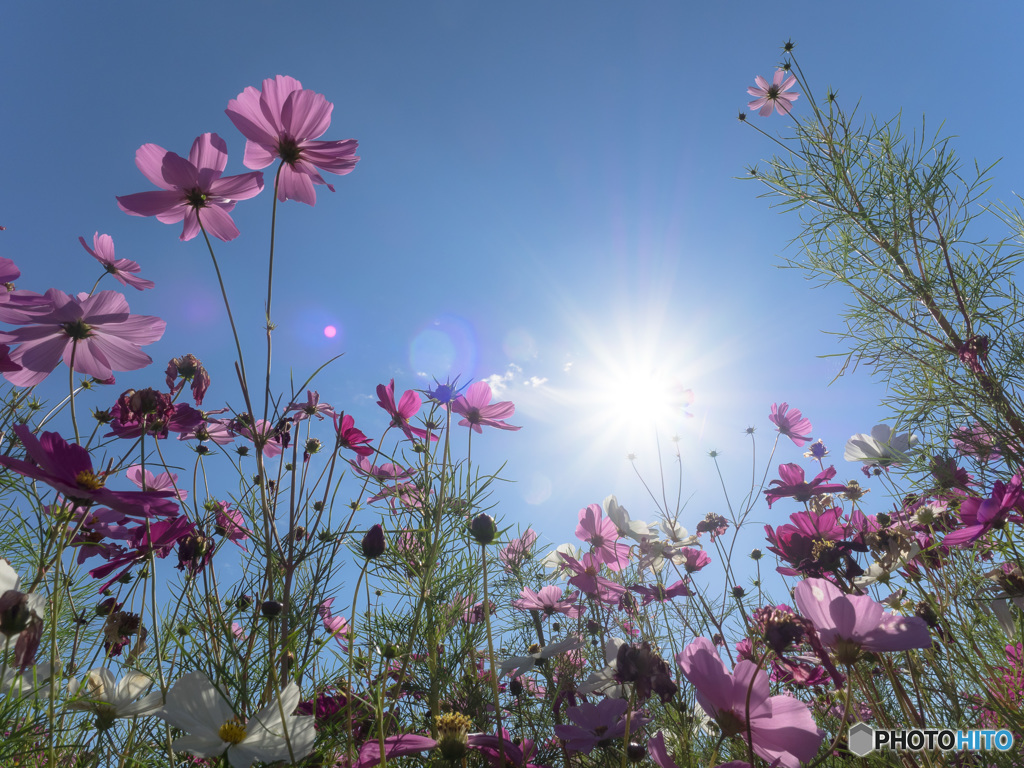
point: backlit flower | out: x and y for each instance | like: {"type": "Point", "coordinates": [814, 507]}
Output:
{"type": "Point", "coordinates": [791, 423]}
{"type": "Point", "coordinates": [792, 483]}
{"type": "Point", "coordinates": [773, 96]}
{"type": "Point", "coordinates": [478, 410]}
{"type": "Point", "coordinates": [849, 624]}
{"type": "Point", "coordinates": [282, 121]}
{"type": "Point", "coordinates": [100, 694]}
{"type": "Point", "coordinates": [781, 727]}
{"type": "Point", "coordinates": [98, 331]}
{"type": "Point", "coordinates": [191, 189]}
{"type": "Point", "coordinates": [212, 728]}
{"type": "Point", "coordinates": [123, 270]}
{"type": "Point", "coordinates": [880, 447]}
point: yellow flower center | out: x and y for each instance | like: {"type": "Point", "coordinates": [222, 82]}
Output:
{"type": "Point", "coordinates": [233, 731]}
{"type": "Point", "coordinates": [88, 480]}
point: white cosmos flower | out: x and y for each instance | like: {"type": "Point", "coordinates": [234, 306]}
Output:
{"type": "Point", "coordinates": [10, 581]}
{"type": "Point", "coordinates": [100, 694]}
{"type": "Point", "coordinates": [604, 682]}
{"type": "Point", "coordinates": [33, 682]}
{"type": "Point", "coordinates": [634, 529]}
{"type": "Point", "coordinates": [553, 562]}
{"type": "Point", "coordinates": [519, 664]}
{"type": "Point", "coordinates": [880, 447]}
{"type": "Point", "coordinates": [195, 706]}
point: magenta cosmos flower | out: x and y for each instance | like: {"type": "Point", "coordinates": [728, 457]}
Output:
{"type": "Point", "coordinates": [67, 468]}
{"type": "Point", "coordinates": [849, 624]}
{"type": "Point", "coordinates": [791, 423]}
{"type": "Point", "coordinates": [282, 121]}
{"type": "Point", "coordinates": [478, 410]}
{"type": "Point", "coordinates": [774, 96]}
{"type": "Point", "coordinates": [406, 407]}
{"type": "Point", "coordinates": [793, 484]}
{"type": "Point", "coordinates": [190, 186]}
{"type": "Point", "coordinates": [982, 515]}
{"type": "Point", "coordinates": [123, 270]}
{"type": "Point", "coordinates": [98, 330]}
{"type": "Point", "coordinates": [781, 727]}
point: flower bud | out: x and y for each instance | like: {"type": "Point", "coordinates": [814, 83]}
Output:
{"type": "Point", "coordinates": [271, 608]}
{"type": "Point", "coordinates": [635, 752]}
{"type": "Point", "coordinates": [483, 528]}
{"type": "Point", "coordinates": [373, 542]}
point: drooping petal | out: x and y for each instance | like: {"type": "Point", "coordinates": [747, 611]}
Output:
{"type": "Point", "coordinates": [153, 204]}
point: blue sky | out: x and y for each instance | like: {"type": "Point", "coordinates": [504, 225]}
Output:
{"type": "Point", "coordinates": [546, 197]}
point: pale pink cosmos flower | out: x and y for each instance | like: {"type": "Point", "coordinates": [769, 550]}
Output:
{"type": "Point", "coordinates": [478, 410]}
{"type": "Point", "coordinates": [190, 186]}
{"type": "Point", "coordinates": [147, 481]}
{"type": "Point", "coordinates": [791, 423]}
{"type": "Point", "coordinates": [774, 96]}
{"type": "Point", "coordinates": [123, 270]}
{"type": "Point", "coordinates": [781, 727]}
{"type": "Point", "coordinates": [549, 601]}
{"type": "Point", "coordinates": [99, 330]}
{"type": "Point", "coordinates": [282, 121]}
{"type": "Point", "coordinates": [849, 624]}
{"type": "Point", "coordinates": [336, 625]}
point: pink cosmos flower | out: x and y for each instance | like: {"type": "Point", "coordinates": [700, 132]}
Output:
{"type": "Point", "coordinates": [767, 97]}
{"type": "Point", "coordinates": [781, 727]}
{"type": "Point", "coordinates": [662, 593]}
{"type": "Point", "coordinates": [230, 524]}
{"type": "Point", "coordinates": [588, 581]}
{"type": "Point", "coordinates": [336, 625]}
{"type": "Point", "coordinates": [478, 410]}
{"type": "Point", "coordinates": [792, 423]}
{"type": "Point", "coordinates": [282, 121]}
{"type": "Point", "coordinates": [190, 186]}
{"type": "Point", "coordinates": [98, 329]}
{"type": "Point", "coordinates": [793, 484]}
{"type": "Point", "coordinates": [123, 270]}
{"type": "Point", "coordinates": [407, 407]}
{"type": "Point", "coordinates": [603, 536]}
{"type": "Point", "coordinates": [694, 559]}
{"type": "Point", "coordinates": [849, 624]}
{"type": "Point", "coordinates": [597, 724]}
{"type": "Point", "coordinates": [312, 407]}
{"type": "Point", "coordinates": [549, 601]}
{"type": "Point", "coordinates": [146, 480]}
{"type": "Point", "coordinates": [517, 550]}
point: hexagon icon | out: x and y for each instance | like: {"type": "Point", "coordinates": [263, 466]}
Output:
{"type": "Point", "coordinates": [860, 739]}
